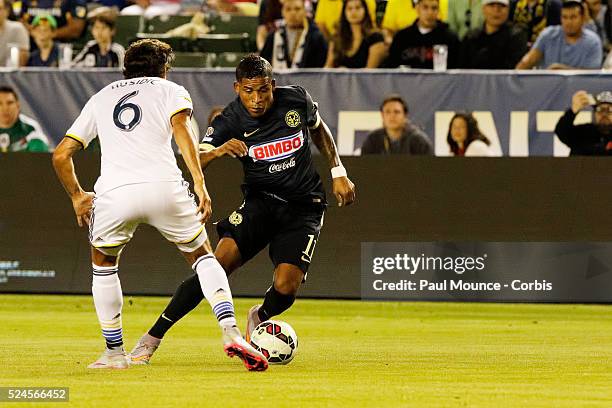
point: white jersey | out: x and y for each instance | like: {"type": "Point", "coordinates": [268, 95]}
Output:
{"type": "Point", "coordinates": [132, 119]}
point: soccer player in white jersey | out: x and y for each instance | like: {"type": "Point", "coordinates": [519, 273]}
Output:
{"type": "Point", "coordinates": [140, 182]}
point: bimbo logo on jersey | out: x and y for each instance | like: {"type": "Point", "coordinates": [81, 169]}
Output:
{"type": "Point", "coordinates": [277, 149]}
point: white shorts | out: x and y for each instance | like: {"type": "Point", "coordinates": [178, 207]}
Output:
{"type": "Point", "coordinates": [167, 206]}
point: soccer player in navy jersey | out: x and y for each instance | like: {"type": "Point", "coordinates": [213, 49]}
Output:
{"type": "Point", "coordinates": [269, 129]}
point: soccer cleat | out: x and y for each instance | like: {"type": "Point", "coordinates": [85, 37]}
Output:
{"type": "Point", "coordinates": [252, 322]}
{"type": "Point", "coordinates": [114, 359]}
{"type": "Point", "coordinates": [235, 345]}
{"type": "Point", "coordinates": [142, 352]}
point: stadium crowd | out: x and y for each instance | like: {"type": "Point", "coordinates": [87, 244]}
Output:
{"type": "Point", "coordinates": [474, 34]}
{"type": "Point", "coordinates": [478, 34]}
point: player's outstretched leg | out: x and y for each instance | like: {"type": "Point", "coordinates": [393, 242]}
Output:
{"type": "Point", "coordinates": [187, 296]}
{"type": "Point", "coordinates": [209, 281]}
{"type": "Point", "coordinates": [108, 300]}
{"type": "Point", "coordinates": [216, 290]}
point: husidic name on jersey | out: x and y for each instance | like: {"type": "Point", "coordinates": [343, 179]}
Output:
{"type": "Point", "coordinates": [277, 149]}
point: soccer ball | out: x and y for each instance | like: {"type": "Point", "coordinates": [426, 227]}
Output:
{"type": "Point", "coordinates": [276, 340]}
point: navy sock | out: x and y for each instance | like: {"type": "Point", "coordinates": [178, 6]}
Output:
{"type": "Point", "coordinates": [274, 304]}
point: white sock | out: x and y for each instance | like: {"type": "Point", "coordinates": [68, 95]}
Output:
{"type": "Point", "coordinates": [215, 287]}
{"type": "Point", "coordinates": [108, 299]}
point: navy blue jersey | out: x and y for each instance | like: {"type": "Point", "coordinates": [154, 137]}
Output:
{"type": "Point", "coordinates": [35, 59]}
{"type": "Point", "coordinates": [56, 8]}
{"type": "Point", "coordinates": [279, 161]}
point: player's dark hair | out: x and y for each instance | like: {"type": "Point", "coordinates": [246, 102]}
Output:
{"type": "Point", "coordinates": [473, 132]}
{"type": "Point", "coordinates": [147, 58]}
{"type": "Point", "coordinates": [253, 66]}
{"type": "Point", "coordinates": [8, 89]}
{"type": "Point", "coordinates": [343, 40]}
{"type": "Point", "coordinates": [394, 98]}
{"type": "Point", "coordinates": [104, 19]}
{"type": "Point", "coordinates": [578, 4]}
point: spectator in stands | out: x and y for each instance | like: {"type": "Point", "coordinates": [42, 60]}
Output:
{"type": "Point", "coordinates": [298, 43]}
{"type": "Point", "coordinates": [413, 46]}
{"type": "Point", "coordinates": [70, 16]}
{"type": "Point", "coordinates": [533, 16]}
{"type": "Point", "coordinates": [608, 62]}
{"type": "Point", "coordinates": [190, 7]}
{"type": "Point", "coordinates": [495, 45]}
{"type": "Point", "coordinates": [18, 132]}
{"type": "Point", "coordinates": [101, 52]}
{"type": "Point", "coordinates": [12, 32]}
{"type": "Point", "coordinates": [330, 12]}
{"type": "Point", "coordinates": [398, 135]}
{"type": "Point", "coordinates": [591, 139]}
{"type": "Point", "coordinates": [357, 44]}
{"type": "Point", "coordinates": [110, 12]}
{"type": "Point", "coordinates": [400, 14]}
{"type": "Point", "coordinates": [464, 15]}
{"type": "Point", "coordinates": [194, 28]}
{"type": "Point", "coordinates": [597, 21]}
{"type": "Point", "coordinates": [47, 53]}
{"type": "Point", "coordinates": [465, 138]}
{"type": "Point", "coordinates": [270, 17]}
{"type": "Point", "coordinates": [608, 20]}
{"type": "Point", "coordinates": [568, 46]}
{"type": "Point", "coordinates": [152, 8]}
{"type": "Point", "coordinates": [118, 4]}
{"type": "Point", "coordinates": [237, 7]}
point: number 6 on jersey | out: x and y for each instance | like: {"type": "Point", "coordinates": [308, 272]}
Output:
{"type": "Point", "coordinates": [121, 107]}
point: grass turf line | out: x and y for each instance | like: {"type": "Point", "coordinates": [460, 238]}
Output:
{"type": "Point", "coordinates": [374, 354]}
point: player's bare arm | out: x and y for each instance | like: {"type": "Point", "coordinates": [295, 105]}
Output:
{"type": "Point", "coordinates": [64, 168]}
{"type": "Point", "coordinates": [343, 188]}
{"type": "Point", "coordinates": [183, 135]}
{"type": "Point", "coordinates": [233, 148]}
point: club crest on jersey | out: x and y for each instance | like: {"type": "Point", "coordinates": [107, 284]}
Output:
{"type": "Point", "coordinates": [209, 131]}
{"type": "Point", "coordinates": [235, 218]}
{"type": "Point", "coordinates": [277, 149]}
{"type": "Point", "coordinates": [292, 119]}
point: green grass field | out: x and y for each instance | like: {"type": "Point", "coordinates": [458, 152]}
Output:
{"type": "Point", "coordinates": [371, 354]}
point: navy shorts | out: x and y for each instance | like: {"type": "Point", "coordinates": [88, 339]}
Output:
{"type": "Point", "coordinates": [291, 229]}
